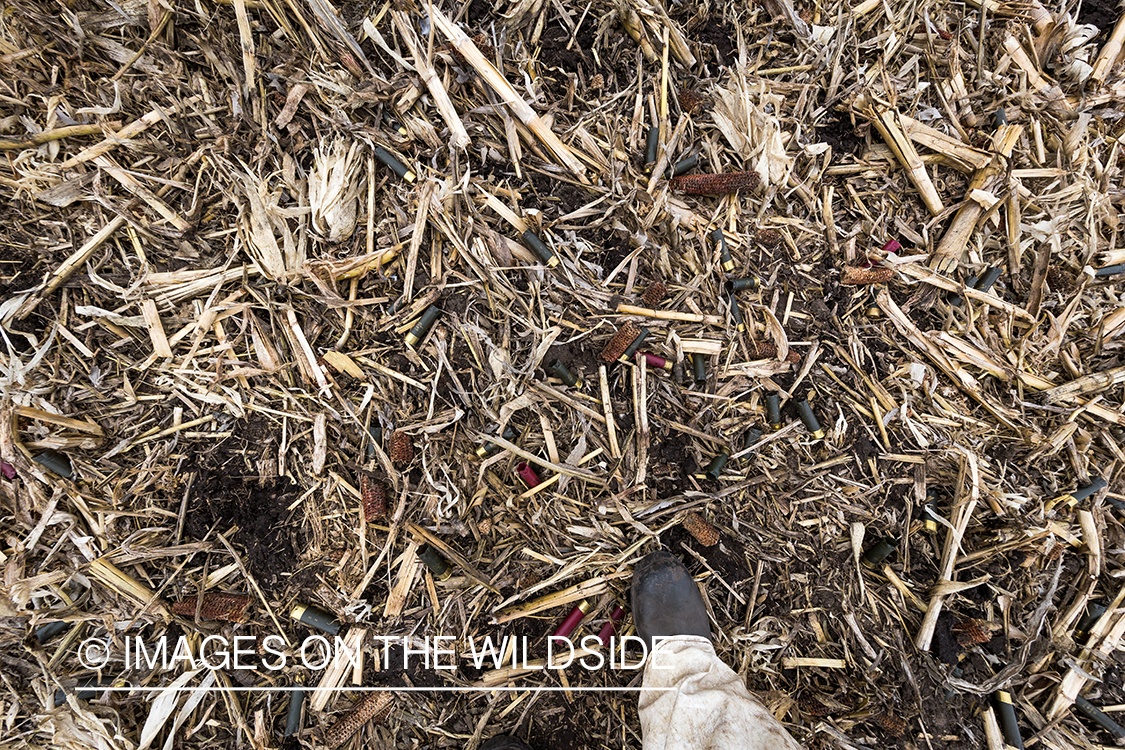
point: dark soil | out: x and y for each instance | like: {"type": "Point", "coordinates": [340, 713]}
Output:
{"type": "Point", "coordinates": [838, 133]}
{"type": "Point", "coordinates": [1100, 13]}
{"type": "Point", "coordinates": [722, 36]}
{"type": "Point", "coordinates": [553, 51]}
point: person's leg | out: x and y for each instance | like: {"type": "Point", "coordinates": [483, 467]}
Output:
{"type": "Point", "coordinates": [692, 700]}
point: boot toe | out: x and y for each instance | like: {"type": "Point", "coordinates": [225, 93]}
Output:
{"type": "Point", "coordinates": [666, 601]}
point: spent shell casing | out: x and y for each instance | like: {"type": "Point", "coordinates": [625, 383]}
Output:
{"type": "Point", "coordinates": [753, 435]}
{"type": "Point", "coordinates": [432, 559]}
{"type": "Point", "coordinates": [1071, 499]}
{"type": "Point", "coordinates": [610, 627]}
{"type": "Point", "coordinates": [632, 348]}
{"type": "Point", "coordinates": [1006, 717]}
{"type": "Point", "coordinates": [87, 690]}
{"type": "Point", "coordinates": [1000, 117]}
{"type": "Point", "coordinates": [718, 463]}
{"type": "Point", "coordinates": [510, 433]}
{"type": "Point", "coordinates": [1110, 270]}
{"type": "Point", "coordinates": [879, 552]}
{"type": "Point", "coordinates": [1099, 717]}
{"type": "Point", "coordinates": [652, 144]}
{"type": "Point", "coordinates": [699, 367]}
{"type": "Point", "coordinates": [44, 633]}
{"type": "Point", "coordinates": [738, 285]}
{"type": "Point", "coordinates": [293, 717]}
{"type": "Point", "coordinates": [1092, 614]}
{"type": "Point", "coordinates": [396, 166]}
{"type": "Point", "coordinates": [314, 617]}
{"type": "Point", "coordinates": [720, 241]}
{"type": "Point", "coordinates": [56, 462]}
{"type": "Point", "coordinates": [892, 246]}
{"type": "Point", "coordinates": [419, 330]}
{"type": "Point", "coordinates": [682, 166]}
{"type": "Point", "coordinates": [773, 410]}
{"type": "Point", "coordinates": [988, 278]}
{"type": "Point", "coordinates": [570, 622]}
{"type": "Point", "coordinates": [735, 313]}
{"type": "Point", "coordinates": [528, 475]}
{"type": "Point", "coordinates": [804, 409]}
{"type": "Point", "coordinates": [542, 252]}
{"type": "Point", "coordinates": [562, 373]}
{"type": "Point", "coordinates": [930, 515]}
{"type": "Point", "coordinates": [653, 360]}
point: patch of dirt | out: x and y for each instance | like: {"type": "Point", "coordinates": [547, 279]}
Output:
{"type": "Point", "coordinates": [722, 36]}
{"type": "Point", "coordinates": [1100, 13]}
{"type": "Point", "coordinates": [838, 133]}
{"type": "Point", "coordinates": [553, 47]}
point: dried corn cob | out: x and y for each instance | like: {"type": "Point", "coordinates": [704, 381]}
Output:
{"type": "Point", "coordinates": [690, 100]}
{"type": "Point", "coordinates": [889, 723]}
{"type": "Point", "coordinates": [374, 497]}
{"type": "Point", "coordinates": [854, 275]}
{"type": "Point", "coordinates": [626, 334]}
{"type": "Point", "coordinates": [768, 237]}
{"type": "Point", "coordinates": [401, 448]}
{"type": "Point", "coordinates": [215, 606]}
{"type": "Point", "coordinates": [766, 350]}
{"type": "Point", "coordinates": [704, 533]}
{"type": "Point", "coordinates": [372, 706]}
{"type": "Point", "coordinates": [971, 632]}
{"type": "Point", "coordinates": [716, 184]}
{"type": "Point", "coordinates": [654, 294]}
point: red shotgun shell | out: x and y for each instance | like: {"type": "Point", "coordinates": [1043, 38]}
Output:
{"type": "Point", "coordinates": [567, 626]}
{"type": "Point", "coordinates": [654, 361]}
{"type": "Point", "coordinates": [528, 475]}
{"type": "Point", "coordinates": [611, 627]}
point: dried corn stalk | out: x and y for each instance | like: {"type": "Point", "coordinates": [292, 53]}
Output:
{"type": "Point", "coordinates": [334, 188]}
{"type": "Point", "coordinates": [262, 221]}
{"type": "Point", "coordinates": [739, 111]}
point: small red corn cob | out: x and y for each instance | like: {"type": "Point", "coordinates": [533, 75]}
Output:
{"type": "Point", "coordinates": [853, 275]}
{"type": "Point", "coordinates": [704, 533]}
{"type": "Point", "coordinates": [768, 237]}
{"type": "Point", "coordinates": [654, 294]}
{"type": "Point", "coordinates": [766, 350]}
{"type": "Point", "coordinates": [370, 706]}
{"type": "Point", "coordinates": [617, 345]}
{"type": "Point", "coordinates": [401, 448]}
{"type": "Point", "coordinates": [889, 723]}
{"type": "Point", "coordinates": [716, 184]}
{"type": "Point", "coordinates": [690, 100]}
{"type": "Point", "coordinates": [374, 497]}
{"type": "Point", "coordinates": [215, 606]}
{"type": "Point", "coordinates": [971, 632]}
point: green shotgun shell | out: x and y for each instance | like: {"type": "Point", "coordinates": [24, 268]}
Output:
{"type": "Point", "coordinates": [715, 468]}
{"type": "Point", "coordinates": [930, 514]}
{"type": "Point", "coordinates": [720, 241]}
{"type": "Point", "coordinates": [1073, 498]}
{"type": "Point", "coordinates": [542, 252]}
{"type": "Point", "coordinates": [735, 313]}
{"type": "Point", "coordinates": [738, 285]}
{"type": "Point", "coordinates": [632, 348]}
{"type": "Point", "coordinates": [1093, 713]}
{"type": "Point", "coordinates": [1092, 615]}
{"type": "Point", "coordinates": [397, 126]}
{"type": "Point", "coordinates": [394, 164]}
{"type": "Point", "coordinates": [489, 448]}
{"type": "Point", "coordinates": [374, 437]}
{"type": "Point", "coordinates": [699, 367]}
{"type": "Point", "coordinates": [56, 462]}
{"type": "Point", "coordinates": [565, 375]}
{"type": "Point", "coordinates": [429, 316]}
{"type": "Point", "coordinates": [293, 718]}
{"type": "Point", "coordinates": [682, 166]}
{"type": "Point", "coordinates": [773, 411]}
{"type": "Point", "coordinates": [44, 633]}
{"type": "Point", "coordinates": [809, 419]}
{"type": "Point", "coordinates": [879, 552]}
{"type": "Point", "coordinates": [306, 614]}
{"type": "Point", "coordinates": [652, 143]}
{"type": "Point", "coordinates": [435, 562]}
{"type": "Point", "coordinates": [1006, 715]}
{"type": "Point", "coordinates": [753, 435]}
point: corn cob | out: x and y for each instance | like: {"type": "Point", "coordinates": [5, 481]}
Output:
{"type": "Point", "coordinates": [374, 497]}
{"type": "Point", "coordinates": [971, 632]}
{"type": "Point", "coordinates": [371, 706]}
{"type": "Point", "coordinates": [854, 275]}
{"type": "Point", "coordinates": [766, 350]}
{"type": "Point", "coordinates": [889, 723]}
{"type": "Point", "coordinates": [768, 237]}
{"type": "Point", "coordinates": [617, 345]}
{"type": "Point", "coordinates": [401, 448]}
{"type": "Point", "coordinates": [704, 533]}
{"type": "Point", "coordinates": [215, 606]}
{"type": "Point", "coordinates": [716, 184]}
{"type": "Point", "coordinates": [690, 100]}
{"type": "Point", "coordinates": [654, 294]}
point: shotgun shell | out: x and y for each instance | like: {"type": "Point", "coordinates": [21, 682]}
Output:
{"type": "Point", "coordinates": [632, 348]}
{"type": "Point", "coordinates": [565, 375]}
{"type": "Point", "coordinates": [1110, 270]}
{"type": "Point", "coordinates": [873, 310]}
{"type": "Point", "coordinates": [570, 622]}
{"type": "Point", "coordinates": [879, 552]}
{"type": "Point", "coordinates": [1073, 498]}
{"type": "Point", "coordinates": [988, 278]}
{"type": "Point", "coordinates": [652, 144]}
{"type": "Point", "coordinates": [56, 462]}
{"type": "Point", "coordinates": [528, 475]}
{"type": "Point", "coordinates": [735, 313]}
{"type": "Point", "coordinates": [653, 360]}
{"type": "Point", "coordinates": [682, 166]}
{"type": "Point", "coordinates": [397, 126]}
{"type": "Point", "coordinates": [7, 470]}
{"type": "Point", "coordinates": [44, 633]}
{"type": "Point", "coordinates": [1000, 117]}
{"type": "Point", "coordinates": [610, 627]}
{"type": "Point", "coordinates": [738, 285]}
{"type": "Point", "coordinates": [720, 241]}
{"type": "Point", "coordinates": [930, 513]}
{"type": "Point", "coordinates": [892, 246]}
{"type": "Point", "coordinates": [490, 448]}
{"type": "Point", "coordinates": [715, 468]}
{"type": "Point", "coordinates": [619, 342]}
{"type": "Point", "coordinates": [419, 330]}
{"type": "Point", "coordinates": [809, 419]}
{"type": "Point", "coordinates": [699, 367]}
{"type": "Point", "coordinates": [87, 690]}
{"type": "Point", "coordinates": [773, 410]}
{"type": "Point", "coordinates": [394, 164]}
{"type": "Point", "coordinates": [293, 718]}
{"type": "Point", "coordinates": [544, 253]}
{"type": "Point", "coordinates": [374, 437]}
{"type": "Point", "coordinates": [1006, 715]}
{"type": "Point", "coordinates": [654, 294]}
{"type": "Point", "coordinates": [753, 435]}
{"type": "Point", "coordinates": [433, 560]}
{"type": "Point", "coordinates": [1092, 615]}
{"type": "Point", "coordinates": [1098, 717]}
{"type": "Point", "coordinates": [306, 614]}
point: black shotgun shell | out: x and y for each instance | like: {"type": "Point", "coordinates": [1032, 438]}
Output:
{"type": "Point", "coordinates": [738, 285]}
{"type": "Point", "coordinates": [418, 332]}
{"type": "Point", "coordinates": [682, 166]}
{"type": "Point", "coordinates": [652, 143]}
{"type": "Point", "coordinates": [565, 375]}
{"type": "Point", "coordinates": [1092, 615]}
{"type": "Point", "coordinates": [1000, 117]}
{"type": "Point", "coordinates": [374, 437]}
{"type": "Point", "coordinates": [753, 435]}
{"type": "Point", "coordinates": [394, 164]}
{"type": "Point", "coordinates": [544, 253]}
{"type": "Point", "coordinates": [1006, 715]}
{"type": "Point", "coordinates": [715, 468]}
{"type": "Point", "coordinates": [1093, 713]}
{"type": "Point", "coordinates": [293, 718]}
{"type": "Point", "coordinates": [699, 367]}
{"type": "Point", "coordinates": [1110, 270]}
{"type": "Point", "coordinates": [720, 241]}
{"type": "Point", "coordinates": [930, 513]}
{"type": "Point", "coordinates": [879, 552]}
{"type": "Point", "coordinates": [632, 348]}
{"type": "Point", "coordinates": [435, 562]}
{"type": "Point", "coordinates": [44, 633]}
{"type": "Point", "coordinates": [306, 614]}
{"type": "Point", "coordinates": [56, 462]}
{"type": "Point", "coordinates": [809, 419]}
{"type": "Point", "coordinates": [489, 448]}
{"type": "Point", "coordinates": [1073, 498]}
{"type": "Point", "coordinates": [988, 278]}
{"type": "Point", "coordinates": [86, 690]}
{"type": "Point", "coordinates": [773, 411]}
{"type": "Point", "coordinates": [735, 313]}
